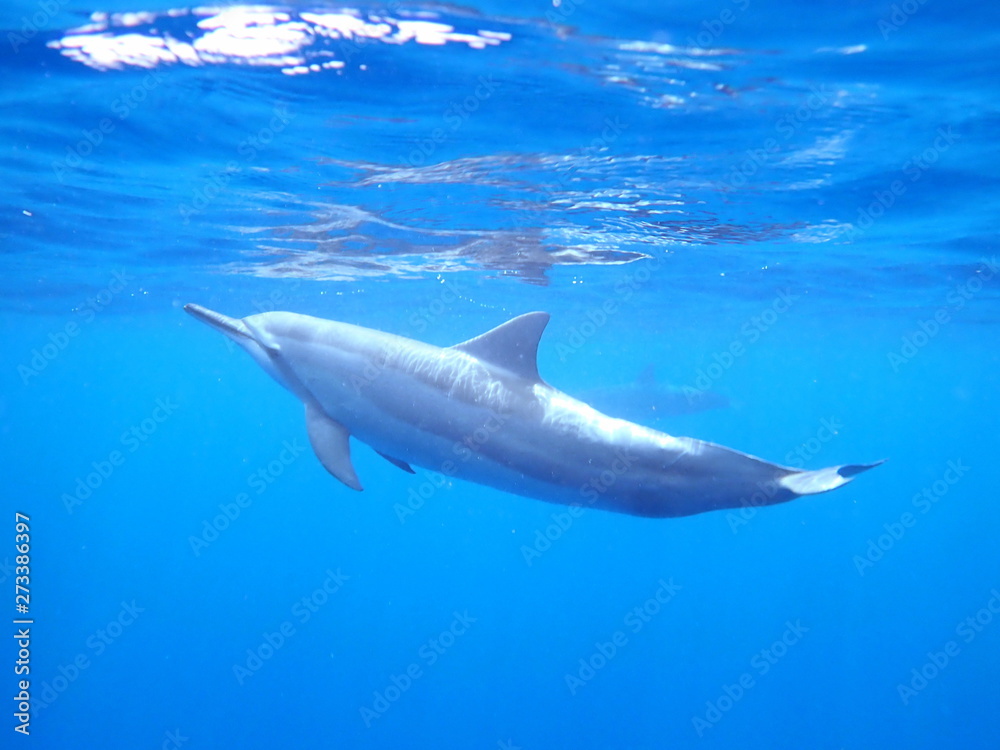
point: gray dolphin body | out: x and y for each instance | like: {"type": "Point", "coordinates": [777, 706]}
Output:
{"type": "Point", "coordinates": [479, 411]}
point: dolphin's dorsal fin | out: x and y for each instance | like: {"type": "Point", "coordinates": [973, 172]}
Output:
{"type": "Point", "coordinates": [331, 443]}
{"type": "Point", "coordinates": [513, 345]}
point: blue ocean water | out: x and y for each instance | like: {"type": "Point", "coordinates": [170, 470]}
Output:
{"type": "Point", "coordinates": [790, 206]}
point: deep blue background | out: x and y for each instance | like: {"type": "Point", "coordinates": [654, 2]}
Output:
{"type": "Point", "coordinates": [514, 211]}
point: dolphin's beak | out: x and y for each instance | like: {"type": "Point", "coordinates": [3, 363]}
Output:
{"type": "Point", "coordinates": [234, 328]}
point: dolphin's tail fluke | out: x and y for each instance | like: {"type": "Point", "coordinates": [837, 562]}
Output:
{"type": "Point", "coordinates": [234, 328]}
{"type": "Point", "coordinates": [824, 480]}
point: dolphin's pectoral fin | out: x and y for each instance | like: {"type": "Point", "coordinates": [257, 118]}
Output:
{"type": "Point", "coordinates": [513, 345]}
{"type": "Point", "coordinates": [823, 480]}
{"type": "Point", "coordinates": [331, 443]}
{"type": "Point", "coordinates": [395, 461]}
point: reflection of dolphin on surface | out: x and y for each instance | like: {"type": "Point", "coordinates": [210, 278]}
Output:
{"type": "Point", "coordinates": [646, 399]}
{"type": "Point", "coordinates": [479, 411]}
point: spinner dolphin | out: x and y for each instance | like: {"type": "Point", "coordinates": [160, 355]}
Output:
{"type": "Point", "coordinates": [479, 411]}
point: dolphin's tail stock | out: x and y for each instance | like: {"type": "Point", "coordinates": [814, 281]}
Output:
{"type": "Point", "coordinates": [233, 327]}
{"type": "Point", "coordinates": [824, 480]}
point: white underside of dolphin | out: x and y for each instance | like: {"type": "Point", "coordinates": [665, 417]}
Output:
{"type": "Point", "coordinates": [479, 411]}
